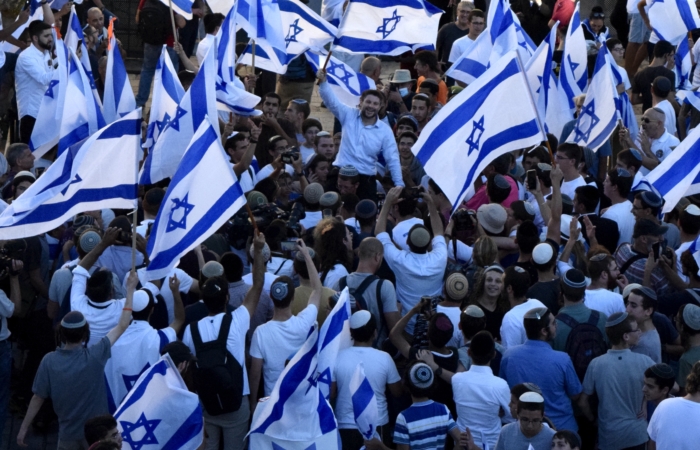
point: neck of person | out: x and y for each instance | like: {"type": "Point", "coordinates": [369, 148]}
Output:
{"type": "Point", "coordinates": [73, 345]}
{"type": "Point", "coordinates": [693, 282]}
{"type": "Point", "coordinates": [367, 229]}
{"type": "Point", "coordinates": [516, 301]}
{"type": "Point", "coordinates": [616, 199]}
{"type": "Point", "coordinates": [282, 314]}
{"type": "Point", "coordinates": [372, 121]}
{"type": "Point", "coordinates": [362, 344]}
{"type": "Point", "coordinates": [147, 216]}
{"type": "Point", "coordinates": [621, 346]}
{"type": "Point", "coordinates": [304, 282]}
{"type": "Point", "coordinates": [366, 267]}
{"type": "Point", "coordinates": [465, 27]}
{"type": "Point", "coordinates": [439, 350]}
{"type": "Point", "coordinates": [571, 175]}
{"type": "Point", "coordinates": [685, 237]}
{"type": "Point", "coordinates": [568, 302]}
{"type": "Point", "coordinates": [657, 62]}
{"type": "Point", "coordinates": [472, 36]}
{"type": "Point", "coordinates": [450, 303]}
{"type": "Point", "coordinates": [637, 247]}
{"type": "Point", "coordinates": [490, 303]}
{"type": "Point", "coordinates": [598, 283]}
{"type": "Point", "coordinates": [524, 257]}
{"type": "Point", "coordinates": [415, 399]}
{"type": "Point", "coordinates": [646, 325]}
{"type": "Point", "coordinates": [693, 397]}
{"type": "Point", "coordinates": [545, 276]}
{"type": "Point", "coordinates": [694, 341]}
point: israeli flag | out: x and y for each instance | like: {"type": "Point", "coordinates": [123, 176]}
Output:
{"type": "Point", "coordinates": [346, 84]}
{"type": "Point", "coordinates": [671, 20]}
{"type": "Point", "coordinates": [499, 38]}
{"type": "Point", "coordinates": [473, 128]}
{"type": "Point", "coordinates": [334, 337]}
{"type": "Point", "coordinates": [388, 27]}
{"type": "Point", "coordinates": [48, 121]}
{"type": "Point", "coordinates": [364, 403]}
{"type": "Point", "coordinates": [296, 416]}
{"type": "Point", "coordinates": [262, 21]}
{"type": "Point", "coordinates": [84, 117]}
{"type": "Point", "coordinates": [332, 11]}
{"type": "Point", "coordinates": [599, 114]}
{"type": "Point", "coordinates": [203, 194]}
{"type": "Point", "coordinates": [678, 175]}
{"type": "Point", "coordinates": [623, 104]}
{"type": "Point", "coordinates": [160, 412]}
{"type": "Point", "coordinates": [573, 73]}
{"type": "Point", "coordinates": [198, 102]}
{"type": "Point", "coordinates": [683, 66]}
{"type": "Point", "coordinates": [118, 97]}
{"type": "Point", "coordinates": [167, 93]}
{"type": "Point", "coordinates": [543, 86]}
{"type": "Point", "coordinates": [182, 7]}
{"type": "Point", "coordinates": [231, 94]}
{"type": "Point", "coordinates": [83, 178]}
{"type": "Point", "coordinates": [74, 38]}
{"type": "Point", "coordinates": [35, 13]}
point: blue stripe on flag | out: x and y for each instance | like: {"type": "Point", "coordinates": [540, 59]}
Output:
{"type": "Point", "coordinates": [119, 77]}
{"type": "Point", "coordinates": [335, 327]}
{"type": "Point", "coordinates": [362, 397]}
{"type": "Point", "coordinates": [671, 178]}
{"type": "Point", "coordinates": [188, 430]}
{"type": "Point", "coordinates": [384, 46]}
{"type": "Point", "coordinates": [184, 5]}
{"type": "Point", "coordinates": [464, 113]}
{"type": "Point", "coordinates": [292, 7]}
{"type": "Point", "coordinates": [121, 128]}
{"type": "Point", "coordinates": [159, 369]}
{"type": "Point", "coordinates": [77, 135]}
{"type": "Point", "coordinates": [686, 15]}
{"type": "Point", "coordinates": [471, 67]}
{"type": "Point", "coordinates": [415, 4]}
{"type": "Point", "coordinates": [260, 27]}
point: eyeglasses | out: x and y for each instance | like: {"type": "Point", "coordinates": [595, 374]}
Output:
{"type": "Point", "coordinates": [647, 120]}
{"type": "Point", "coordinates": [478, 23]}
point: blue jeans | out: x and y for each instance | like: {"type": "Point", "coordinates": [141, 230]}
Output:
{"type": "Point", "coordinates": [151, 54]}
{"type": "Point", "coordinates": [5, 371]}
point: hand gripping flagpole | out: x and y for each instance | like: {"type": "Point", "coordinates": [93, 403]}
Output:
{"type": "Point", "coordinates": [328, 58]}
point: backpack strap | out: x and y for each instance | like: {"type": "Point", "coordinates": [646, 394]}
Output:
{"type": "Point", "coordinates": [223, 331]}
{"type": "Point", "coordinates": [280, 267]}
{"type": "Point", "coordinates": [568, 320]}
{"type": "Point", "coordinates": [362, 288]}
{"type": "Point", "coordinates": [380, 304]}
{"type": "Point", "coordinates": [343, 283]}
{"type": "Point", "coordinates": [593, 318]}
{"type": "Point", "coordinates": [632, 260]}
{"type": "Point", "coordinates": [196, 337]}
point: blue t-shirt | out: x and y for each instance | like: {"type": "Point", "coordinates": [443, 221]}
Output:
{"type": "Point", "coordinates": [424, 426]}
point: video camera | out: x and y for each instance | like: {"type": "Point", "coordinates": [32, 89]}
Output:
{"type": "Point", "coordinates": [241, 228]}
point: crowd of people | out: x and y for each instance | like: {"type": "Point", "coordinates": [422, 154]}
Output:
{"type": "Point", "coordinates": [556, 308]}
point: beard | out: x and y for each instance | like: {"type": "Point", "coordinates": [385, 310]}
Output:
{"type": "Point", "coordinates": [46, 45]}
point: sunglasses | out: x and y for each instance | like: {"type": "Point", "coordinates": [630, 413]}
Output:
{"type": "Point", "coordinates": [597, 15]}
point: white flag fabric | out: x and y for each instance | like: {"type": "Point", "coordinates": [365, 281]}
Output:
{"type": "Point", "coordinates": [332, 11]}
{"type": "Point", "coordinates": [83, 178]}
{"type": "Point", "coordinates": [199, 101]}
{"type": "Point", "coordinates": [262, 20]}
{"type": "Point", "coordinates": [573, 73]}
{"type": "Point", "coordinates": [118, 95]}
{"type": "Point", "coordinates": [74, 38]}
{"type": "Point", "coordinates": [182, 7]}
{"type": "Point", "coordinates": [683, 66]}
{"type": "Point", "coordinates": [48, 121]}
{"type": "Point", "coordinates": [84, 117]}
{"type": "Point", "coordinates": [678, 175]}
{"type": "Point", "coordinates": [474, 128]}
{"type": "Point", "coordinates": [388, 27]}
{"type": "Point", "coordinates": [346, 84]}
{"type": "Point", "coordinates": [160, 412]}
{"type": "Point", "coordinates": [364, 403]}
{"type": "Point", "coordinates": [296, 415]}
{"type": "Point", "coordinates": [334, 337]}
{"type": "Point", "coordinates": [203, 194]}
{"type": "Point", "coordinates": [167, 93]}
{"type": "Point", "coordinates": [624, 105]}
{"type": "Point", "coordinates": [671, 20]}
{"type": "Point", "coordinates": [599, 115]}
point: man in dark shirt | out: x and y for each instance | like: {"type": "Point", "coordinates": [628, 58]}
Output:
{"type": "Point", "coordinates": [453, 31]}
{"type": "Point", "coordinates": [661, 65]}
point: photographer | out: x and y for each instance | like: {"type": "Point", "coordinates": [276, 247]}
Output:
{"type": "Point", "coordinates": [9, 307]}
{"type": "Point", "coordinates": [279, 264]}
{"type": "Point", "coordinates": [403, 215]}
{"type": "Point", "coordinates": [117, 257]}
{"type": "Point", "coordinates": [276, 147]}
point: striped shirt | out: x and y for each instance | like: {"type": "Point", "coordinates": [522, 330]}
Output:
{"type": "Point", "coordinates": [424, 426]}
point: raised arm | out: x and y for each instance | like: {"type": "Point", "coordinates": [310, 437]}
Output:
{"type": "Point", "coordinates": [178, 307]}
{"type": "Point", "coordinates": [554, 224]}
{"type": "Point", "coordinates": [396, 335]}
{"type": "Point", "coordinates": [125, 318]}
{"type": "Point", "coordinates": [392, 197]}
{"type": "Point", "coordinates": [435, 221]}
{"type": "Point", "coordinates": [250, 302]}
{"type": "Point", "coordinates": [109, 238]}
{"type": "Point", "coordinates": [316, 285]}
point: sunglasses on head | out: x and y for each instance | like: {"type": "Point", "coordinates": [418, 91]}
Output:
{"type": "Point", "coordinates": [597, 15]}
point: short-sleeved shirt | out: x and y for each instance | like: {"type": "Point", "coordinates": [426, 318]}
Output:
{"type": "Point", "coordinates": [399, 234]}
{"type": "Point", "coordinates": [74, 381]}
{"type": "Point", "coordinates": [301, 299]}
{"type": "Point", "coordinates": [447, 36]}
{"type": "Point", "coordinates": [649, 344]}
{"type": "Point", "coordinates": [552, 371]}
{"type": "Point", "coordinates": [641, 83]}
{"type": "Point", "coordinates": [388, 299]}
{"type": "Point", "coordinates": [604, 301]}
{"type": "Point", "coordinates": [511, 438]}
{"type": "Point", "coordinates": [380, 371]}
{"type": "Point", "coordinates": [512, 328]}
{"type": "Point", "coordinates": [635, 272]}
{"type": "Point", "coordinates": [235, 343]}
{"type": "Point", "coordinates": [621, 213]}
{"type": "Point", "coordinates": [685, 364]}
{"type": "Point", "coordinates": [674, 425]}
{"type": "Point", "coordinates": [424, 426]}
{"type": "Point", "coordinates": [618, 377]}
{"type": "Point", "coordinates": [276, 343]}
{"type": "Point", "coordinates": [547, 292]}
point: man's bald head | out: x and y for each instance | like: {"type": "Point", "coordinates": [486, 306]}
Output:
{"type": "Point", "coordinates": [371, 67]}
{"type": "Point", "coordinates": [653, 121]}
{"type": "Point", "coordinates": [96, 19]}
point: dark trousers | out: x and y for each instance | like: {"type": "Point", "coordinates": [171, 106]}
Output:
{"type": "Point", "coordinates": [353, 440]}
{"type": "Point", "coordinates": [367, 188]}
{"type": "Point", "coordinates": [26, 126]}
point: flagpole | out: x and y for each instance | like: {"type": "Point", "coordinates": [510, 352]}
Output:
{"type": "Point", "coordinates": [252, 62]}
{"type": "Point", "coordinates": [172, 20]}
{"type": "Point", "coordinates": [328, 58]}
{"type": "Point", "coordinates": [133, 238]}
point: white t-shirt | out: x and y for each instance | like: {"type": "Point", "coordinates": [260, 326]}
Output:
{"type": "Point", "coordinates": [279, 266]}
{"type": "Point", "coordinates": [674, 424]}
{"type": "Point", "coordinates": [459, 46]}
{"type": "Point", "coordinates": [380, 371]}
{"type": "Point", "coordinates": [235, 343]}
{"type": "Point", "coordinates": [269, 279]}
{"type": "Point", "coordinates": [464, 252]}
{"type": "Point", "coordinates": [311, 219]}
{"type": "Point", "coordinates": [670, 113]}
{"type": "Point", "coordinates": [352, 222]}
{"type": "Point", "coordinates": [605, 301]}
{"type": "Point", "coordinates": [276, 343]}
{"type": "Point", "coordinates": [268, 169]}
{"type": "Point", "coordinates": [204, 46]}
{"type": "Point", "coordinates": [661, 148]}
{"type": "Point", "coordinates": [400, 232]}
{"type": "Point", "coordinates": [334, 275]}
{"type": "Point", "coordinates": [512, 328]}
{"type": "Point", "coordinates": [185, 286]}
{"type": "Point", "coordinates": [621, 213]}
{"type": "Point", "coordinates": [569, 187]}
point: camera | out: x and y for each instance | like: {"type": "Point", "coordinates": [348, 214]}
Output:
{"type": "Point", "coordinates": [420, 331]}
{"type": "Point", "coordinates": [290, 156]}
{"type": "Point", "coordinates": [412, 193]}
{"type": "Point", "coordinates": [12, 250]}
{"type": "Point", "coordinates": [295, 216]}
{"type": "Point", "coordinates": [124, 237]}
{"type": "Point", "coordinates": [241, 228]}
{"type": "Point", "coordinates": [463, 220]}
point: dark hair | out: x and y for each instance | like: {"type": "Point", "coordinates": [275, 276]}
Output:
{"type": "Point", "coordinates": [412, 388]}
{"type": "Point", "coordinates": [530, 406]}
{"type": "Point", "coordinates": [527, 236]}
{"type": "Point", "coordinates": [517, 280]}
{"type": "Point", "coordinates": [482, 348]}
{"type": "Point", "coordinates": [14, 152]}
{"type": "Point", "coordinates": [302, 107]}
{"type": "Point", "coordinates": [534, 326]}
{"type": "Point", "coordinates": [407, 134]}
{"type": "Point", "coordinates": [232, 142]}
{"type": "Point", "coordinates": [267, 187]}
{"type": "Point", "coordinates": [422, 98]}
{"type": "Point", "coordinates": [658, 90]}
{"type": "Point", "coordinates": [471, 325]}
{"type": "Point", "coordinates": [570, 437]}
{"type": "Point", "coordinates": [272, 95]}
{"type": "Point", "coordinates": [316, 160]}
{"type": "Point", "coordinates": [405, 120]}
{"type": "Point", "coordinates": [689, 223]}
{"type": "Point", "coordinates": [612, 42]}
{"type": "Point", "coordinates": [476, 13]}
{"type": "Point", "coordinates": [690, 265]}
{"type": "Point", "coordinates": [37, 27]}
{"type": "Point", "coordinates": [373, 92]}
{"type": "Point", "coordinates": [645, 205]}
{"type": "Point", "coordinates": [572, 294]}
{"type": "Point", "coordinates": [212, 22]}
{"type": "Point", "coordinates": [407, 206]}
{"type": "Point", "coordinates": [588, 196]}
{"type": "Point", "coordinates": [439, 338]}
{"type": "Point", "coordinates": [349, 202]}
{"type": "Point", "coordinates": [74, 335]}
{"type": "Point", "coordinates": [428, 58]}
{"type": "Point", "coordinates": [616, 333]}
{"type": "Point", "coordinates": [145, 313]}
{"type": "Point", "coordinates": [186, 78]}
{"type": "Point", "coordinates": [433, 185]}
{"type": "Point", "coordinates": [152, 200]}
{"type": "Point", "coordinates": [497, 194]}
{"type": "Point", "coordinates": [502, 163]}
{"type": "Point", "coordinates": [628, 159]}
{"type": "Point", "coordinates": [214, 294]}
{"type": "Point", "coordinates": [99, 286]}
{"type": "Point", "coordinates": [571, 150]}
{"type": "Point", "coordinates": [96, 428]}
{"type": "Point", "coordinates": [596, 267]}
{"type": "Point", "coordinates": [660, 381]}
{"type": "Point", "coordinates": [692, 382]}
{"type": "Point", "coordinates": [540, 153]}
{"type": "Point", "coordinates": [233, 267]}
{"type": "Point", "coordinates": [663, 48]}
{"type": "Point", "coordinates": [301, 269]}
{"type": "Point", "coordinates": [365, 332]}
{"type": "Point", "coordinates": [272, 142]}
{"type": "Point", "coordinates": [308, 123]}
{"type": "Point", "coordinates": [105, 445]}
{"type": "Point", "coordinates": [544, 176]}
{"type": "Point", "coordinates": [431, 85]}
{"type": "Point", "coordinates": [329, 237]}
{"type": "Point", "coordinates": [624, 184]}
{"type": "Point", "coordinates": [647, 302]}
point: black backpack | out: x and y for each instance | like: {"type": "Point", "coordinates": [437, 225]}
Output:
{"type": "Point", "coordinates": [360, 302]}
{"type": "Point", "coordinates": [154, 23]}
{"type": "Point", "coordinates": [218, 376]}
{"type": "Point", "coordinates": [585, 341]}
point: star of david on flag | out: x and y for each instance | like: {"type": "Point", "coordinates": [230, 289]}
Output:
{"type": "Point", "coordinates": [388, 27]}
{"type": "Point", "coordinates": [167, 93]}
{"type": "Point", "coordinates": [294, 30]}
{"type": "Point", "coordinates": [347, 85]}
{"type": "Point", "coordinates": [573, 75]}
{"type": "Point", "coordinates": [160, 411]}
{"type": "Point", "coordinates": [475, 135]}
{"type": "Point", "coordinates": [599, 114]}
{"type": "Point", "coordinates": [178, 205]}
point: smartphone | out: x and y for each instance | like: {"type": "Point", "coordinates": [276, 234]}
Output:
{"type": "Point", "coordinates": [531, 179]}
{"type": "Point", "coordinates": [288, 245]}
{"type": "Point", "coordinates": [656, 250]}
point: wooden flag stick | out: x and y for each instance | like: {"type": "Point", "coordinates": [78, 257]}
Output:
{"type": "Point", "coordinates": [328, 58]}
{"type": "Point", "coordinates": [172, 20]}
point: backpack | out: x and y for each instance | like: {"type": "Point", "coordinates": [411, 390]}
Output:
{"type": "Point", "coordinates": [360, 302]}
{"type": "Point", "coordinates": [154, 23]}
{"type": "Point", "coordinates": [585, 341]}
{"type": "Point", "coordinates": [218, 376]}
